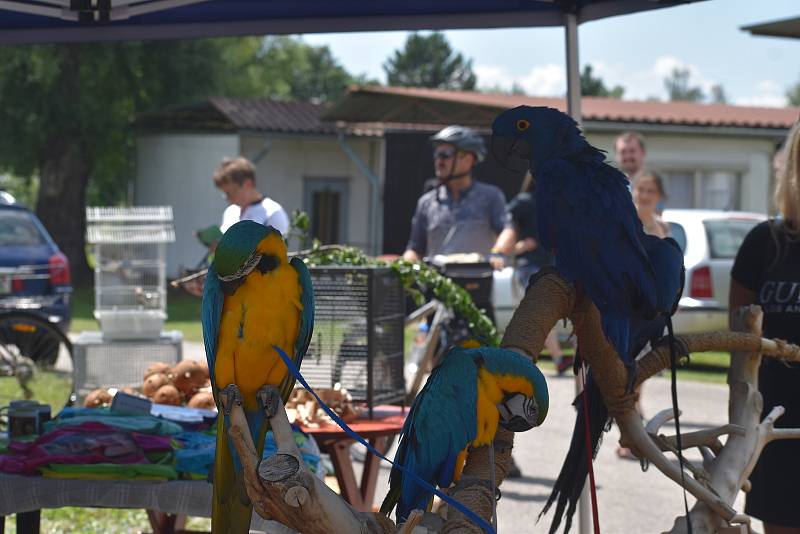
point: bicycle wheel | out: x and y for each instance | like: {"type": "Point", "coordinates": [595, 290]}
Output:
{"type": "Point", "coordinates": [35, 360]}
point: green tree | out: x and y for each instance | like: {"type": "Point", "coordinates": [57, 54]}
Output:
{"type": "Point", "coordinates": [429, 61]}
{"type": "Point", "coordinates": [594, 86]}
{"type": "Point", "coordinates": [793, 94]}
{"type": "Point", "coordinates": [68, 109]}
{"type": "Point", "coordinates": [678, 89]}
{"type": "Point", "coordinates": [287, 68]}
{"type": "Point", "coordinates": [718, 94]}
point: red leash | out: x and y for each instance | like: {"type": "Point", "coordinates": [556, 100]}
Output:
{"type": "Point", "coordinates": [589, 451]}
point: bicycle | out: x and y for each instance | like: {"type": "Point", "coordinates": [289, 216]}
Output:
{"type": "Point", "coordinates": [29, 349]}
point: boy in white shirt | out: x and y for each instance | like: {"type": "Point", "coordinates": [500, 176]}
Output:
{"type": "Point", "coordinates": [236, 178]}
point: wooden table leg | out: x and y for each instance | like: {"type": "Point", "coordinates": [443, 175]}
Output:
{"type": "Point", "coordinates": [164, 523]}
{"type": "Point", "coordinates": [339, 452]}
{"type": "Point", "coordinates": [29, 522]}
{"type": "Point", "coordinates": [369, 477]}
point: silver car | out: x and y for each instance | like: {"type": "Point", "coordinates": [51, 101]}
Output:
{"type": "Point", "coordinates": [709, 240]}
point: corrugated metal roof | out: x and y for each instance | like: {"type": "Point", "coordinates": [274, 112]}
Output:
{"type": "Point", "coordinates": [237, 114]}
{"type": "Point", "coordinates": [419, 105]}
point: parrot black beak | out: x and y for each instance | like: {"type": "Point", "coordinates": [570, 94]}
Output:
{"type": "Point", "coordinates": [512, 153]}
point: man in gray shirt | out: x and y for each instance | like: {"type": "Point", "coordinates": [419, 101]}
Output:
{"type": "Point", "coordinates": [460, 215]}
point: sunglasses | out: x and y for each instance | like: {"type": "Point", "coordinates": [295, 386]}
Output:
{"type": "Point", "coordinates": [444, 154]}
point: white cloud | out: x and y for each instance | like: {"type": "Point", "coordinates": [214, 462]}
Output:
{"type": "Point", "coordinates": [542, 80]}
{"type": "Point", "coordinates": [640, 84]}
{"type": "Point", "coordinates": [768, 93]}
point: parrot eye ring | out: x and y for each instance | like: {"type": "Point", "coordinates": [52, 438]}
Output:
{"type": "Point", "coordinates": [523, 124]}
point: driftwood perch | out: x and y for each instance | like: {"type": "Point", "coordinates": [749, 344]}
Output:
{"type": "Point", "coordinates": [726, 467]}
{"type": "Point", "coordinates": [282, 489]}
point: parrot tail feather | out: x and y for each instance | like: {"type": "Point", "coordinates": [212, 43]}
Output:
{"type": "Point", "coordinates": [569, 484]}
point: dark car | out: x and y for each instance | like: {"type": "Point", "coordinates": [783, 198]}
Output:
{"type": "Point", "coordinates": [34, 274]}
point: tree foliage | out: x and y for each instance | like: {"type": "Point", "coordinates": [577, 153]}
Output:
{"type": "Point", "coordinates": [429, 61]}
{"type": "Point", "coordinates": [594, 86]}
{"type": "Point", "coordinates": [678, 88]}
{"type": "Point", "coordinates": [793, 94]}
{"type": "Point", "coordinates": [68, 109]}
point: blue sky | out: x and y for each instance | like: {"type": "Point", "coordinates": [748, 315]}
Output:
{"type": "Point", "coordinates": [635, 51]}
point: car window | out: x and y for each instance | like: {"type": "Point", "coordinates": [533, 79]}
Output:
{"type": "Point", "coordinates": [17, 228]}
{"type": "Point", "coordinates": [679, 235]}
{"type": "Point", "coordinates": [725, 236]}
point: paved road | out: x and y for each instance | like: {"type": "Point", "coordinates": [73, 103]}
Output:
{"type": "Point", "coordinates": [630, 501]}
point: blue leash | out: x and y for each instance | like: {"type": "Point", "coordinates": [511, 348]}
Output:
{"type": "Point", "coordinates": [472, 516]}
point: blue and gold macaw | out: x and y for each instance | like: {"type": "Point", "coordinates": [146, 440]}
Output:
{"type": "Point", "coordinates": [253, 298]}
{"type": "Point", "coordinates": [587, 218]}
{"type": "Point", "coordinates": [458, 408]}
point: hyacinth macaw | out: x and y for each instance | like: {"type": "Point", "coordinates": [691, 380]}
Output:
{"type": "Point", "coordinates": [587, 219]}
{"type": "Point", "coordinates": [253, 298]}
{"type": "Point", "coordinates": [458, 408]}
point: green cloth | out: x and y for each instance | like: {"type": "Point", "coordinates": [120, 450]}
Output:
{"type": "Point", "coordinates": [110, 471]}
{"type": "Point", "coordinates": [144, 424]}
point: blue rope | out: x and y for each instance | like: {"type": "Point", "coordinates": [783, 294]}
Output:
{"type": "Point", "coordinates": [472, 516]}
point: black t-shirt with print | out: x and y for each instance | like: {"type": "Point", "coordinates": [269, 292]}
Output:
{"type": "Point", "coordinates": [768, 262]}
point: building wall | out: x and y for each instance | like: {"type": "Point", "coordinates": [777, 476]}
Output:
{"type": "Point", "coordinates": [284, 173]}
{"type": "Point", "coordinates": [176, 170]}
{"type": "Point", "coordinates": [747, 157]}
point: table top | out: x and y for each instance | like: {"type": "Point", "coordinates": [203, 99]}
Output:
{"type": "Point", "coordinates": [386, 420]}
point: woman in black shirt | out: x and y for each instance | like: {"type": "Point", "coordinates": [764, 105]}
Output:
{"type": "Point", "coordinates": [767, 272]}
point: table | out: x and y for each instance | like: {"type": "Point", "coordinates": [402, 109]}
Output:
{"type": "Point", "coordinates": [386, 423]}
{"type": "Point", "coordinates": [164, 501]}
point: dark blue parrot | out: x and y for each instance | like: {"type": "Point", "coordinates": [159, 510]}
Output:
{"type": "Point", "coordinates": [587, 219]}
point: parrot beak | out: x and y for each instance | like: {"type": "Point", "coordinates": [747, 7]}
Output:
{"type": "Point", "coordinates": [512, 153]}
{"type": "Point", "coordinates": [518, 413]}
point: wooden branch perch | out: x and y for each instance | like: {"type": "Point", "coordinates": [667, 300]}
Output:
{"type": "Point", "coordinates": [282, 489]}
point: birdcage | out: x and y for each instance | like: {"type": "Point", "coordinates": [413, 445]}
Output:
{"type": "Point", "coordinates": [358, 333]}
{"type": "Point", "coordinates": [130, 269]}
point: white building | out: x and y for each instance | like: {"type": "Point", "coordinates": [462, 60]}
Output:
{"type": "Point", "coordinates": [301, 163]}
{"type": "Point", "coordinates": [325, 161]}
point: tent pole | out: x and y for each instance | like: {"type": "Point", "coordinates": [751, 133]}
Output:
{"type": "Point", "coordinates": [573, 68]}
{"type": "Point", "coordinates": [574, 110]}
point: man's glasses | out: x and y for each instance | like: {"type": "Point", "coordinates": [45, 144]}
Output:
{"type": "Point", "coordinates": [444, 154]}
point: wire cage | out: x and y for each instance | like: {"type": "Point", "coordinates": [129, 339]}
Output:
{"type": "Point", "coordinates": [130, 268]}
{"type": "Point", "coordinates": [102, 363]}
{"type": "Point", "coordinates": [358, 333]}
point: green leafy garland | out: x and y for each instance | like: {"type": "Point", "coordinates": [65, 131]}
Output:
{"type": "Point", "coordinates": [412, 275]}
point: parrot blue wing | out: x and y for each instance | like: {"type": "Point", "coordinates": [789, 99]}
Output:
{"type": "Point", "coordinates": [211, 313]}
{"type": "Point", "coordinates": [306, 329]}
{"type": "Point", "coordinates": [588, 219]}
{"type": "Point", "coordinates": [441, 423]}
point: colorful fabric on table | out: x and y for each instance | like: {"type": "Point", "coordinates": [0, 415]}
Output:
{"type": "Point", "coordinates": [144, 424]}
{"type": "Point", "coordinates": [194, 452]}
{"type": "Point", "coordinates": [152, 472]}
{"type": "Point", "coordinates": [85, 443]}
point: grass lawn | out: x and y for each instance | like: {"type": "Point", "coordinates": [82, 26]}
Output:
{"type": "Point", "coordinates": [101, 521]}
{"type": "Point", "coordinates": [183, 313]}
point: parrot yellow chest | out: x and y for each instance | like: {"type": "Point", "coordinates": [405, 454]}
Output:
{"type": "Point", "coordinates": [264, 311]}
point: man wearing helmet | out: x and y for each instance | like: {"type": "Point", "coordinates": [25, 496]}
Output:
{"type": "Point", "coordinates": [460, 214]}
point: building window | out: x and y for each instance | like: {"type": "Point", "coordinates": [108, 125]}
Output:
{"type": "Point", "coordinates": [326, 205]}
{"type": "Point", "coordinates": [702, 189]}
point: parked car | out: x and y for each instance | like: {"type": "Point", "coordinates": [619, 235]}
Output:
{"type": "Point", "coordinates": [710, 240]}
{"type": "Point", "coordinates": [34, 274]}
